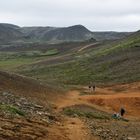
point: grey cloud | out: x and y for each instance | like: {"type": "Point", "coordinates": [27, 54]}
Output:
{"type": "Point", "coordinates": [95, 14]}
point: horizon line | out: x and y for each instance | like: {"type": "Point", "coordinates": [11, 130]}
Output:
{"type": "Point", "coordinates": [22, 26]}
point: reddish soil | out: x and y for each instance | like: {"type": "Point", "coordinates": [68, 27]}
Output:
{"type": "Point", "coordinates": [107, 99]}
{"type": "Point", "coordinates": [114, 97]}
{"type": "Point", "coordinates": [110, 100]}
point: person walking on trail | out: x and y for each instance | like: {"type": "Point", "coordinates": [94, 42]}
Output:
{"type": "Point", "coordinates": [122, 112]}
{"type": "Point", "coordinates": [92, 87]}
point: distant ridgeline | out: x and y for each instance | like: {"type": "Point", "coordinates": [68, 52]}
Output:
{"type": "Point", "coordinates": [12, 33]}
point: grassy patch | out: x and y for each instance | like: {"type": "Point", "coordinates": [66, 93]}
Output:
{"type": "Point", "coordinates": [27, 54]}
{"type": "Point", "coordinates": [11, 60]}
{"type": "Point", "coordinates": [121, 46]}
{"type": "Point", "coordinates": [51, 52]}
{"type": "Point", "coordinates": [12, 110]}
{"type": "Point", "coordinates": [75, 112]}
{"type": "Point", "coordinates": [13, 63]}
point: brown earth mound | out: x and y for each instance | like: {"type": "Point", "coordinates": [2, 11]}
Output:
{"type": "Point", "coordinates": [26, 87]}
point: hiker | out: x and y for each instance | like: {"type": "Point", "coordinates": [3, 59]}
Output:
{"type": "Point", "coordinates": [90, 86]}
{"type": "Point", "coordinates": [93, 88]}
{"type": "Point", "coordinates": [122, 111]}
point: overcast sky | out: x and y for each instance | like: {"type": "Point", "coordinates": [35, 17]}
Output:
{"type": "Point", "coordinates": [96, 15]}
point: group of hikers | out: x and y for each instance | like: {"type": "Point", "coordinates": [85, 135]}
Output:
{"type": "Point", "coordinates": [115, 115]}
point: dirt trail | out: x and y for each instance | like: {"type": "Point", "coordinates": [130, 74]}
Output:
{"type": "Point", "coordinates": [71, 98]}
{"type": "Point", "coordinates": [87, 46]}
{"type": "Point", "coordinates": [70, 128]}
{"type": "Point", "coordinates": [77, 130]}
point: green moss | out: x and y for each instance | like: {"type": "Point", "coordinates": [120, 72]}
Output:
{"type": "Point", "coordinates": [90, 115]}
{"type": "Point", "coordinates": [11, 60]}
{"type": "Point", "coordinates": [12, 110]}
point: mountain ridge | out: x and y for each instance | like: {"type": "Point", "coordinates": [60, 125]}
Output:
{"type": "Point", "coordinates": [10, 33]}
